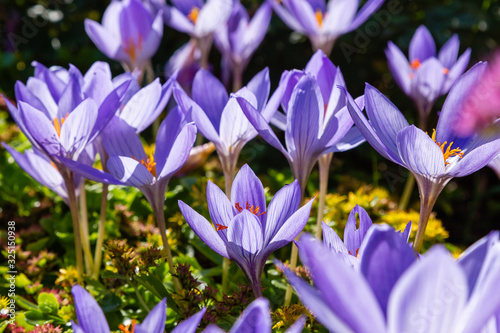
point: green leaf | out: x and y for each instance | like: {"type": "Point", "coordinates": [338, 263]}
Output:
{"type": "Point", "coordinates": [38, 245]}
{"type": "Point", "coordinates": [25, 304]}
{"type": "Point", "coordinates": [112, 275]}
{"type": "Point", "coordinates": [155, 285]}
{"type": "Point", "coordinates": [3, 326]}
{"type": "Point", "coordinates": [47, 303]}
{"type": "Point", "coordinates": [35, 318]}
{"type": "Point", "coordinates": [206, 251]}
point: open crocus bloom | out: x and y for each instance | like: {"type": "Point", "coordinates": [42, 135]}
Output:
{"type": "Point", "coordinates": [394, 292]}
{"type": "Point", "coordinates": [323, 23]}
{"type": "Point", "coordinates": [129, 33]}
{"type": "Point", "coordinates": [425, 76]}
{"type": "Point", "coordinates": [433, 159]}
{"type": "Point", "coordinates": [243, 229]}
{"type": "Point", "coordinates": [91, 318]}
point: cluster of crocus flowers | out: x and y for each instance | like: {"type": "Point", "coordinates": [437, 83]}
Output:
{"type": "Point", "coordinates": [129, 33]}
{"type": "Point", "coordinates": [394, 292]}
{"type": "Point", "coordinates": [434, 159]}
{"type": "Point", "coordinates": [238, 39]}
{"type": "Point", "coordinates": [324, 22]}
{"type": "Point", "coordinates": [425, 75]}
{"type": "Point", "coordinates": [245, 229]}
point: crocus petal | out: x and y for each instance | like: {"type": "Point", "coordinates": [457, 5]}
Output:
{"type": "Point", "coordinates": [235, 129]}
{"type": "Point", "coordinates": [255, 318]}
{"type": "Point", "coordinates": [211, 16]}
{"type": "Point", "coordinates": [209, 93]}
{"type": "Point", "coordinates": [247, 189]}
{"type": "Point", "coordinates": [179, 152]}
{"type": "Point", "coordinates": [304, 14]}
{"type": "Point", "coordinates": [191, 324]}
{"type": "Point", "coordinates": [354, 237]}
{"type": "Point", "coordinates": [351, 140]}
{"type": "Point", "coordinates": [422, 45]}
{"type": "Point", "coordinates": [384, 116]}
{"type": "Point", "coordinates": [284, 203]}
{"type": "Point", "coordinates": [76, 130]}
{"type": "Point", "coordinates": [257, 28]}
{"type": "Point", "coordinates": [346, 293]}
{"type": "Point", "coordinates": [427, 84]}
{"type": "Point", "coordinates": [168, 132]}
{"type": "Point", "coordinates": [121, 139]}
{"type": "Point", "coordinates": [129, 171]}
{"type": "Point", "coordinates": [420, 153]}
{"type": "Point", "coordinates": [98, 82]}
{"type": "Point", "coordinates": [155, 320]}
{"type": "Point", "coordinates": [324, 70]}
{"type": "Point", "coordinates": [429, 296]}
{"type": "Point", "coordinates": [458, 68]}
{"type": "Point", "coordinates": [339, 16]}
{"type": "Point", "coordinates": [449, 52]}
{"type": "Point", "coordinates": [399, 67]}
{"type": "Point", "coordinates": [185, 6]}
{"type": "Point", "coordinates": [40, 129]}
{"type": "Point", "coordinates": [108, 108]}
{"type": "Point", "coordinates": [245, 239]}
{"type": "Point", "coordinates": [365, 12]}
{"type": "Point", "coordinates": [385, 255]}
{"type": "Point", "coordinates": [212, 328]}
{"type": "Point", "coordinates": [297, 326]}
{"type": "Point", "coordinates": [260, 86]}
{"type": "Point", "coordinates": [315, 302]}
{"type": "Point", "coordinates": [152, 40]}
{"type": "Point", "coordinates": [89, 313]}
{"type": "Point", "coordinates": [76, 328]}
{"type": "Point", "coordinates": [203, 229]}
{"type": "Point", "coordinates": [177, 20]}
{"type": "Point", "coordinates": [142, 105]}
{"type": "Point", "coordinates": [220, 208]}
{"type": "Point", "coordinates": [39, 93]}
{"type": "Point", "coordinates": [106, 42]}
{"type": "Point", "coordinates": [332, 240]}
{"type": "Point", "coordinates": [72, 95]}
{"type": "Point", "coordinates": [89, 172]}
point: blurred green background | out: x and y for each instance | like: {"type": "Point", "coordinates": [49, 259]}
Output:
{"type": "Point", "coordinates": [52, 33]}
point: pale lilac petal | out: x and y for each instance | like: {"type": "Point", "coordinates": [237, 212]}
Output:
{"type": "Point", "coordinates": [191, 324]}
{"type": "Point", "coordinates": [89, 172]}
{"type": "Point", "coordinates": [247, 189]}
{"type": "Point", "coordinates": [179, 152]}
{"type": "Point", "coordinates": [257, 28]}
{"type": "Point", "coordinates": [419, 153]}
{"type": "Point", "coordinates": [235, 129]}
{"type": "Point", "coordinates": [141, 105]}
{"type": "Point", "coordinates": [428, 84]}
{"type": "Point", "coordinates": [260, 86]}
{"type": "Point", "coordinates": [458, 68]}
{"type": "Point", "coordinates": [220, 208]}
{"type": "Point", "coordinates": [151, 41]}
{"type": "Point", "coordinates": [88, 312]}
{"type": "Point", "coordinates": [212, 328]}
{"type": "Point", "coordinates": [286, 16]}
{"type": "Point", "coordinates": [332, 240]}
{"type": "Point", "coordinates": [168, 132]}
{"type": "Point", "coordinates": [429, 297]}
{"type": "Point", "coordinates": [324, 71]}
{"type": "Point", "coordinates": [40, 93]}
{"type": "Point", "coordinates": [209, 93]}
{"type": "Point", "coordinates": [304, 14]}
{"type": "Point", "coordinates": [449, 52]}
{"type": "Point", "coordinates": [298, 326]}
{"type": "Point", "coordinates": [185, 6]}
{"type": "Point", "coordinates": [256, 318]}
{"type": "Point", "coordinates": [370, 7]}
{"type": "Point", "coordinates": [155, 320]}
{"type": "Point", "coordinates": [203, 229]}
{"type": "Point", "coordinates": [351, 140]}
{"type": "Point", "coordinates": [422, 45]}
{"type": "Point", "coordinates": [76, 130]}
{"type": "Point", "coordinates": [245, 241]}
{"type": "Point", "coordinates": [121, 139]}
{"type": "Point", "coordinates": [339, 16]}
{"type": "Point", "coordinates": [179, 21]}
{"type": "Point", "coordinates": [353, 237]}
{"type": "Point", "coordinates": [399, 67]}
{"type": "Point", "coordinates": [129, 171]}
{"type": "Point", "coordinates": [105, 40]}
{"type": "Point", "coordinates": [211, 16]}
{"type": "Point", "coordinates": [71, 96]}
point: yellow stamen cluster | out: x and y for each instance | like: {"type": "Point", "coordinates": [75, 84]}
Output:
{"type": "Point", "coordinates": [447, 151]}
{"type": "Point", "coordinates": [193, 14]}
{"type": "Point", "coordinates": [128, 328]}
{"type": "Point", "coordinates": [58, 125]}
{"type": "Point", "coordinates": [149, 163]}
{"type": "Point", "coordinates": [249, 207]}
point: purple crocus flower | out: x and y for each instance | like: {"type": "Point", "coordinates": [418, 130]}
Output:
{"type": "Point", "coordinates": [349, 249]}
{"type": "Point", "coordinates": [434, 160]}
{"type": "Point", "coordinates": [238, 39]}
{"type": "Point", "coordinates": [184, 64]}
{"type": "Point", "coordinates": [220, 119]}
{"type": "Point", "coordinates": [309, 133]}
{"type": "Point", "coordinates": [393, 292]}
{"type": "Point", "coordinates": [425, 76]}
{"type": "Point", "coordinates": [91, 318]}
{"type": "Point", "coordinates": [324, 22]}
{"type": "Point", "coordinates": [243, 230]}
{"type": "Point", "coordinates": [256, 318]}
{"type": "Point", "coordinates": [199, 19]}
{"type": "Point", "coordinates": [128, 34]}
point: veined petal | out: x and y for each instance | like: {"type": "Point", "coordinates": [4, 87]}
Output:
{"type": "Point", "coordinates": [255, 318]}
{"type": "Point", "coordinates": [339, 16]}
{"type": "Point", "coordinates": [129, 171]}
{"type": "Point", "coordinates": [429, 297]}
{"type": "Point", "coordinates": [38, 96]}
{"type": "Point", "coordinates": [191, 324]}
{"type": "Point", "coordinates": [142, 104]}
{"type": "Point", "coordinates": [458, 68]}
{"type": "Point", "coordinates": [97, 82]}
{"type": "Point", "coordinates": [180, 151]}
{"type": "Point", "coordinates": [247, 188]}
{"type": "Point", "coordinates": [89, 172]}
{"type": "Point", "coordinates": [324, 71]}
{"type": "Point", "coordinates": [286, 16]}
{"type": "Point", "coordinates": [428, 84]}
{"type": "Point", "coordinates": [422, 45]}
{"type": "Point", "coordinates": [106, 41]}
{"type": "Point", "coordinates": [185, 6]}
{"type": "Point", "coordinates": [220, 208]}
{"type": "Point", "coordinates": [419, 153]}
{"type": "Point", "coordinates": [204, 229]}
{"type": "Point", "coordinates": [211, 16]}
{"type": "Point", "coordinates": [119, 138]}
{"type": "Point", "coordinates": [257, 29]}
{"type": "Point", "coordinates": [297, 326]}
{"type": "Point", "coordinates": [353, 237]}
{"type": "Point", "coordinates": [234, 125]}
{"type": "Point", "coordinates": [89, 313]}
{"type": "Point", "coordinates": [260, 86]}
{"type": "Point", "coordinates": [76, 130]}
{"type": "Point", "coordinates": [283, 205]}
{"type": "Point", "coordinates": [449, 52]}
{"type": "Point", "coordinates": [152, 40]}
{"type": "Point", "coordinates": [179, 21]}
{"type": "Point", "coordinates": [155, 320]}
{"type": "Point", "coordinates": [168, 132]}
{"type": "Point", "coordinates": [209, 93]}
{"type": "Point", "coordinates": [399, 67]}
{"type": "Point", "coordinates": [245, 239]}
{"type": "Point", "coordinates": [332, 240]}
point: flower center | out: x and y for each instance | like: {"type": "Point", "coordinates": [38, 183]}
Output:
{"type": "Point", "coordinates": [220, 227]}
{"type": "Point", "coordinates": [250, 208]}
{"type": "Point", "coordinates": [446, 71]}
{"type": "Point", "coordinates": [128, 329]}
{"type": "Point", "coordinates": [132, 49]}
{"type": "Point", "coordinates": [357, 253]}
{"type": "Point", "coordinates": [447, 151]}
{"type": "Point", "coordinates": [149, 163]}
{"type": "Point", "coordinates": [193, 14]}
{"type": "Point", "coordinates": [57, 124]}
{"type": "Point", "coordinates": [415, 64]}
{"type": "Point", "coordinates": [319, 17]}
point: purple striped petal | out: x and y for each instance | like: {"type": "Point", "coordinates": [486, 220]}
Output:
{"type": "Point", "coordinates": [107, 42]}
{"type": "Point", "coordinates": [155, 320]}
{"type": "Point", "coordinates": [255, 318]}
{"type": "Point", "coordinates": [399, 67]}
{"type": "Point", "coordinates": [76, 130]}
{"type": "Point", "coordinates": [89, 313]}
{"type": "Point", "coordinates": [121, 139]}
{"type": "Point", "coordinates": [247, 189]}
{"type": "Point", "coordinates": [191, 324]}
{"type": "Point", "coordinates": [370, 7]}
{"type": "Point", "coordinates": [353, 237]}
{"type": "Point", "coordinates": [220, 208]}
{"type": "Point", "coordinates": [129, 171]}
{"type": "Point", "coordinates": [449, 52]}
{"type": "Point", "coordinates": [304, 15]}
{"type": "Point", "coordinates": [179, 152]}
{"type": "Point", "coordinates": [458, 68]}
{"type": "Point", "coordinates": [422, 45]}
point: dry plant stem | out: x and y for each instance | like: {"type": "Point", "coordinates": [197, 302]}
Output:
{"type": "Point", "coordinates": [324, 163]}
{"type": "Point", "coordinates": [73, 206]}
{"type": "Point", "coordinates": [237, 78]}
{"type": "Point", "coordinates": [204, 44]}
{"type": "Point", "coordinates": [160, 219]}
{"type": "Point", "coordinates": [229, 168]}
{"type": "Point", "coordinates": [84, 226]}
{"type": "Point", "coordinates": [101, 231]}
{"type": "Point", "coordinates": [295, 250]}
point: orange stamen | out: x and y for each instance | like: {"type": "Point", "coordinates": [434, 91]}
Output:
{"type": "Point", "coordinates": [149, 163]}
{"type": "Point", "coordinates": [415, 64]}
{"type": "Point", "coordinates": [357, 253]}
{"type": "Point", "coordinates": [132, 49]}
{"type": "Point", "coordinates": [447, 151]}
{"type": "Point", "coordinates": [446, 71]}
{"type": "Point", "coordinates": [220, 227]}
{"type": "Point", "coordinates": [58, 125]}
{"type": "Point", "coordinates": [193, 14]}
{"type": "Point", "coordinates": [250, 208]}
{"type": "Point", "coordinates": [128, 329]}
{"type": "Point", "coordinates": [319, 17]}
